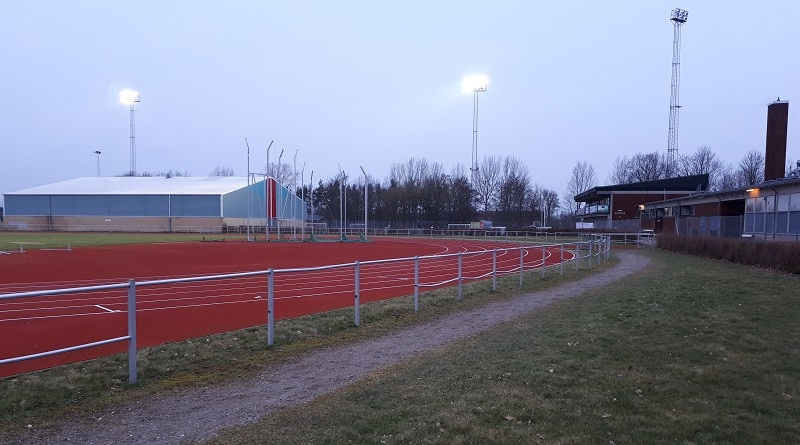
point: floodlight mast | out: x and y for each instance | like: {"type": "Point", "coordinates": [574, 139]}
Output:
{"type": "Point", "coordinates": [678, 18]}
{"type": "Point", "coordinates": [131, 98]}
{"type": "Point", "coordinates": [294, 186]}
{"type": "Point", "coordinates": [133, 134]}
{"type": "Point", "coordinates": [249, 190]}
{"type": "Point", "coordinates": [97, 152]}
{"type": "Point", "coordinates": [341, 203]}
{"type": "Point", "coordinates": [277, 183]}
{"type": "Point", "coordinates": [311, 191]}
{"type": "Point", "coordinates": [474, 84]}
{"type": "Point", "coordinates": [366, 202]}
{"type": "Point", "coordinates": [303, 200]}
{"type": "Point", "coordinates": [474, 168]}
{"type": "Point", "coordinates": [267, 221]}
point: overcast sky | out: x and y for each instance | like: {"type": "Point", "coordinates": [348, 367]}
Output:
{"type": "Point", "coordinates": [375, 83]}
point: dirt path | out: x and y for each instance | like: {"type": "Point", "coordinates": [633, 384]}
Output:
{"type": "Point", "coordinates": [197, 414]}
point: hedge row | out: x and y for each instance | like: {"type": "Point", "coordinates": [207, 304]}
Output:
{"type": "Point", "coordinates": [783, 256]}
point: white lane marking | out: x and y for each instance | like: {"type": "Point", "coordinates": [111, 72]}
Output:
{"type": "Point", "coordinates": [104, 308]}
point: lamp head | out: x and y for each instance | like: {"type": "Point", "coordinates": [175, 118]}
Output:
{"type": "Point", "coordinates": [129, 97]}
{"type": "Point", "coordinates": [474, 83]}
{"type": "Point", "coordinates": [679, 15]}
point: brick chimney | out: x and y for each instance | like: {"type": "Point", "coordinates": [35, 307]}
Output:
{"type": "Point", "coordinates": [777, 124]}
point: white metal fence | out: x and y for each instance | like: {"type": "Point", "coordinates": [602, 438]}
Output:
{"type": "Point", "coordinates": [589, 250]}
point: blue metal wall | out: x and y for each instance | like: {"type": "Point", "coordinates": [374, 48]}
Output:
{"type": "Point", "coordinates": [247, 202]}
{"type": "Point", "coordinates": [113, 205]}
{"type": "Point", "coordinates": [251, 202]}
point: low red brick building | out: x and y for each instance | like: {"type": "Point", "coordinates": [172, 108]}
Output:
{"type": "Point", "coordinates": [619, 206]}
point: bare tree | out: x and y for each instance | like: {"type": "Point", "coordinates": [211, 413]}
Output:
{"type": "Point", "coordinates": [751, 168]}
{"type": "Point", "coordinates": [791, 166]}
{"type": "Point", "coordinates": [727, 178]}
{"type": "Point", "coordinates": [221, 171]}
{"type": "Point", "coordinates": [514, 187]}
{"type": "Point", "coordinates": [583, 178]}
{"type": "Point", "coordinates": [647, 167]}
{"type": "Point", "coordinates": [535, 202]}
{"type": "Point", "coordinates": [619, 171]}
{"type": "Point", "coordinates": [486, 182]}
{"type": "Point", "coordinates": [283, 173]}
{"type": "Point", "coordinates": [460, 202]}
{"type": "Point", "coordinates": [550, 204]}
{"type": "Point", "coordinates": [702, 161]}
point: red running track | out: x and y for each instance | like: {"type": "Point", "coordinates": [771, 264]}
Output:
{"type": "Point", "coordinates": [169, 313]}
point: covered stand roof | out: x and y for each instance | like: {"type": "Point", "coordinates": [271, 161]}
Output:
{"type": "Point", "coordinates": [682, 184]}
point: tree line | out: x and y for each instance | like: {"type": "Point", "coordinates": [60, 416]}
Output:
{"type": "Point", "coordinates": [420, 193]}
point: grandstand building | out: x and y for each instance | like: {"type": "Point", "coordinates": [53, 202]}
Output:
{"type": "Point", "coordinates": [153, 204]}
{"type": "Point", "coordinates": [618, 206]}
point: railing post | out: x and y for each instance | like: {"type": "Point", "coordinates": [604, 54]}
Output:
{"type": "Point", "coordinates": [357, 303]}
{"type": "Point", "coordinates": [270, 307]}
{"type": "Point", "coordinates": [521, 264]}
{"type": "Point", "coordinates": [562, 260]}
{"type": "Point", "coordinates": [132, 368]}
{"type": "Point", "coordinates": [416, 284]}
{"type": "Point", "coordinates": [590, 242]}
{"type": "Point", "coordinates": [544, 260]}
{"type": "Point", "coordinates": [494, 270]}
{"type": "Point", "coordinates": [578, 255]}
{"type": "Point", "coordinates": [459, 277]}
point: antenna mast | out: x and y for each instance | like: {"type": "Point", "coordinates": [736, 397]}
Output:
{"type": "Point", "coordinates": [678, 18]}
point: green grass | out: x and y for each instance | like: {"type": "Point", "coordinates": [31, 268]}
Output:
{"type": "Point", "coordinates": [690, 351]}
{"type": "Point", "coordinates": [57, 394]}
{"type": "Point", "coordinates": [12, 241]}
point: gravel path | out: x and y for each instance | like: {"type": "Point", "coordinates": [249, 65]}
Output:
{"type": "Point", "coordinates": [197, 414]}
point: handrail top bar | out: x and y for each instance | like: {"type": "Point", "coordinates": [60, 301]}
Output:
{"type": "Point", "coordinates": [66, 290]}
{"type": "Point", "coordinates": [263, 272]}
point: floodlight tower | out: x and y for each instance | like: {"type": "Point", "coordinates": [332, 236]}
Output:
{"type": "Point", "coordinates": [678, 18]}
{"type": "Point", "coordinates": [131, 97]}
{"type": "Point", "coordinates": [98, 152]}
{"type": "Point", "coordinates": [474, 84]}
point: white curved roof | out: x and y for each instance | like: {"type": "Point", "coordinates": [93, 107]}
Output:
{"type": "Point", "coordinates": [156, 185]}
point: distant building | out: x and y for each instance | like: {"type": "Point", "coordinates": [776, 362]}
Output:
{"type": "Point", "coordinates": [150, 204]}
{"type": "Point", "coordinates": [618, 206]}
{"type": "Point", "coordinates": [770, 210]}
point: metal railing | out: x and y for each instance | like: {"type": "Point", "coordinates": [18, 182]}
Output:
{"type": "Point", "coordinates": [593, 248]}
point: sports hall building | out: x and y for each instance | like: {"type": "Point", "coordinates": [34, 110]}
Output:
{"type": "Point", "coordinates": [152, 204]}
{"type": "Point", "coordinates": [767, 210]}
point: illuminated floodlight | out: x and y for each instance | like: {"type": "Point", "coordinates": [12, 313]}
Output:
{"type": "Point", "coordinates": [474, 83]}
{"type": "Point", "coordinates": [128, 96]}
{"type": "Point", "coordinates": [679, 15]}
{"type": "Point", "coordinates": [131, 98]}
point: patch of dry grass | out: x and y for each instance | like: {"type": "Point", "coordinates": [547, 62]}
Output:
{"type": "Point", "coordinates": [689, 351]}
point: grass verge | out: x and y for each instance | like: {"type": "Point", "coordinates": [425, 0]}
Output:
{"type": "Point", "coordinates": [690, 351]}
{"type": "Point", "coordinates": [54, 395]}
